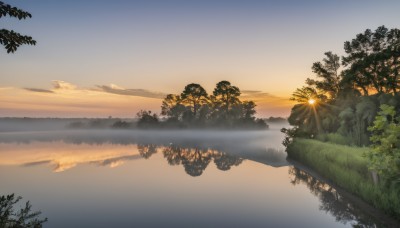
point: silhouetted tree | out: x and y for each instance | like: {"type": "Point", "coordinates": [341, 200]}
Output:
{"type": "Point", "coordinates": [24, 217]}
{"type": "Point", "coordinates": [172, 107]}
{"type": "Point", "coordinates": [194, 95]}
{"type": "Point", "coordinates": [373, 60]}
{"type": "Point", "coordinates": [193, 108]}
{"type": "Point", "coordinates": [328, 74]}
{"type": "Point", "coordinates": [11, 40]}
{"type": "Point", "coordinates": [146, 119]}
{"type": "Point", "coordinates": [226, 95]}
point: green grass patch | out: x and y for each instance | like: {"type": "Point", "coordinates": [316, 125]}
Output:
{"type": "Point", "coordinates": [346, 167]}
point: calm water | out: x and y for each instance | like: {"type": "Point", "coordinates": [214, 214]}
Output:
{"type": "Point", "coordinates": [170, 179]}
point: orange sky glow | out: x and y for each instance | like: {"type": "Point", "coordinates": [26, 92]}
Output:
{"type": "Point", "coordinates": [64, 99]}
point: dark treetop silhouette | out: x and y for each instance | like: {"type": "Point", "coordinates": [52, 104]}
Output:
{"type": "Point", "coordinates": [194, 108]}
{"type": "Point", "coordinates": [23, 218]}
{"type": "Point", "coordinates": [11, 40]}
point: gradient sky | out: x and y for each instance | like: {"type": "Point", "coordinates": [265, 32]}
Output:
{"type": "Point", "coordinates": [100, 58]}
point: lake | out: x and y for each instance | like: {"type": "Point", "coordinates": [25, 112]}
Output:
{"type": "Point", "coordinates": [117, 178]}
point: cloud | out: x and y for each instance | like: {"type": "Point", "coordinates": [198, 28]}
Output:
{"type": "Point", "coordinates": [254, 94]}
{"type": "Point", "coordinates": [250, 91]}
{"type": "Point", "coordinates": [39, 90]}
{"type": "Point", "coordinates": [58, 84]}
{"type": "Point", "coordinates": [36, 163]}
{"type": "Point", "coordinates": [114, 89]}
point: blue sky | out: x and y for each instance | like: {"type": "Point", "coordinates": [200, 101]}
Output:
{"type": "Point", "coordinates": [266, 46]}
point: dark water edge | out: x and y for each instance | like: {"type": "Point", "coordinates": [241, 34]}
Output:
{"type": "Point", "coordinates": [377, 215]}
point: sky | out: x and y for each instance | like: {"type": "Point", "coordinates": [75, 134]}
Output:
{"type": "Point", "coordinates": [102, 58]}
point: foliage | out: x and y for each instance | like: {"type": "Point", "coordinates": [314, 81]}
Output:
{"type": "Point", "coordinates": [385, 155]}
{"type": "Point", "coordinates": [147, 119]}
{"type": "Point", "coordinates": [344, 97]}
{"type": "Point", "coordinates": [226, 95]}
{"type": "Point", "coordinates": [24, 217]}
{"type": "Point", "coordinates": [348, 168]}
{"type": "Point", "coordinates": [290, 134]}
{"type": "Point", "coordinates": [328, 71]}
{"type": "Point", "coordinates": [194, 108]}
{"type": "Point", "coordinates": [334, 138]}
{"type": "Point", "coordinates": [374, 60]}
{"type": "Point", "coordinates": [121, 124]}
{"type": "Point", "coordinates": [194, 95]}
{"type": "Point", "coordinates": [11, 40]}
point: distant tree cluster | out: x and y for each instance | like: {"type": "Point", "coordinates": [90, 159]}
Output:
{"type": "Point", "coordinates": [195, 108]}
{"type": "Point", "coordinates": [272, 119]}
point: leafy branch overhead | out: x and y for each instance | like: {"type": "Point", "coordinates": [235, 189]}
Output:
{"type": "Point", "coordinates": [11, 217]}
{"type": "Point", "coordinates": [11, 40]}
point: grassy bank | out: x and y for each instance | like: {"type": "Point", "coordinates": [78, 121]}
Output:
{"type": "Point", "coordinates": [346, 167]}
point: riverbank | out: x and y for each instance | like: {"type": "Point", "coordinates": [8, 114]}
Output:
{"type": "Point", "coordinates": [347, 168]}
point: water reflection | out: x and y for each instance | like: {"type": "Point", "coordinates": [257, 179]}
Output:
{"type": "Point", "coordinates": [196, 160]}
{"type": "Point", "coordinates": [193, 150]}
{"type": "Point", "coordinates": [332, 201]}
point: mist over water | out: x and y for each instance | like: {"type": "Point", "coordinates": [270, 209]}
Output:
{"type": "Point", "coordinates": [170, 178]}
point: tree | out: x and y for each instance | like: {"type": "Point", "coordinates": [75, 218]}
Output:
{"type": "Point", "coordinates": [307, 93]}
{"type": "Point", "coordinates": [328, 71]}
{"type": "Point", "coordinates": [11, 40]}
{"type": "Point", "coordinates": [226, 94]}
{"type": "Point", "coordinates": [195, 96]}
{"type": "Point", "coordinates": [249, 109]}
{"type": "Point", "coordinates": [385, 154]}
{"type": "Point", "coordinates": [373, 60]}
{"type": "Point", "coordinates": [172, 107]}
{"type": "Point", "coordinates": [20, 218]}
{"type": "Point", "coordinates": [146, 119]}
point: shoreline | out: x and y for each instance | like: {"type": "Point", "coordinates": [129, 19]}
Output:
{"type": "Point", "coordinates": [367, 208]}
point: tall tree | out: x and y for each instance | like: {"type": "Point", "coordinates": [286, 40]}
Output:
{"type": "Point", "coordinates": [329, 75]}
{"type": "Point", "coordinates": [172, 107]}
{"type": "Point", "coordinates": [11, 40]}
{"type": "Point", "coordinates": [307, 93]}
{"type": "Point", "coordinates": [195, 96]}
{"type": "Point", "coordinates": [374, 61]}
{"type": "Point", "coordinates": [226, 94]}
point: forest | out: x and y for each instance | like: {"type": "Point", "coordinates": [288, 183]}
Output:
{"type": "Point", "coordinates": [354, 101]}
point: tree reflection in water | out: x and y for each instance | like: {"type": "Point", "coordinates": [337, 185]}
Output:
{"type": "Point", "coordinates": [194, 160]}
{"type": "Point", "coordinates": [146, 150]}
{"type": "Point", "coordinates": [331, 201]}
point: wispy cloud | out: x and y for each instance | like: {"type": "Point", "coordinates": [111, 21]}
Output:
{"type": "Point", "coordinates": [58, 84]}
{"type": "Point", "coordinates": [130, 92]}
{"type": "Point", "coordinates": [259, 95]}
{"type": "Point", "coordinates": [39, 90]}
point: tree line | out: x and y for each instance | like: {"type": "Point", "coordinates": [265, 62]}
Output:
{"type": "Point", "coordinates": [195, 108]}
{"type": "Point", "coordinates": [355, 99]}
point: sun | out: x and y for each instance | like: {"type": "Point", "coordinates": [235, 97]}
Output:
{"type": "Point", "coordinates": [311, 101]}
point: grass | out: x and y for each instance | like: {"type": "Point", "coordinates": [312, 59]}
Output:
{"type": "Point", "coordinates": [346, 167]}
